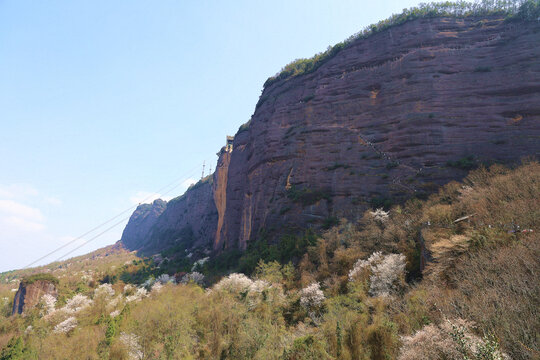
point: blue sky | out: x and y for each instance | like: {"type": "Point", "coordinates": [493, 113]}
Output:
{"type": "Point", "coordinates": [102, 103]}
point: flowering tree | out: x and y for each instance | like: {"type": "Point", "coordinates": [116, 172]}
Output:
{"type": "Point", "coordinates": [199, 263]}
{"type": "Point", "coordinates": [48, 303]}
{"type": "Point", "coordinates": [156, 287]}
{"type": "Point", "coordinates": [137, 295]}
{"type": "Point", "coordinates": [312, 296]}
{"type": "Point", "coordinates": [165, 278]}
{"type": "Point", "coordinates": [104, 290]}
{"type": "Point", "coordinates": [234, 283]}
{"type": "Point", "coordinates": [194, 277]}
{"type": "Point", "coordinates": [251, 291]}
{"type": "Point", "coordinates": [66, 326]}
{"type": "Point", "coordinates": [76, 304]}
{"type": "Point", "coordinates": [450, 340]}
{"type": "Point", "coordinates": [380, 215]}
{"type": "Point", "coordinates": [387, 273]}
{"type": "Point", "coordinates": [131, 342]}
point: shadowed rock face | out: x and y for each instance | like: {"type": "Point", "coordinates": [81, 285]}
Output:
{"type": "Point", "coordinates": [190, 219]}
{"type": "Point", "coordinates": [29, 295]}
{"type": "Point", "coordinates": [136, 234]}
{"type": "Point", "coordinates": [391, 116]}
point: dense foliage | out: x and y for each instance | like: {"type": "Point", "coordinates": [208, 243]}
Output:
{"type": "Point", "coordinates": [511, 9]}
{"type": "Point", "coordinates": [452, 277]}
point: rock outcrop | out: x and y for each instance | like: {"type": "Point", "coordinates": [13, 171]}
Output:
{"type": "Point", "coordinates": [137, 232]}
{"type": "Point", "coordinates": [189, 220]}
{"type": "Point", "coordinates": [30, 293]}
{"type": "Point", "coordinates": [389, 117]}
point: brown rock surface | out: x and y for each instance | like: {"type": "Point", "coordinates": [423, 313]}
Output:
{"type": "Point", "coordinates": [190, 219]}
{"type": "Point", "coordinates": [383, 118]}
{"type": "Point", "coordinates": [29, 295]}
{"type": "Point", "coordinates": [390, 116]}
{"type": "Point", "coordinates": [137, 232]}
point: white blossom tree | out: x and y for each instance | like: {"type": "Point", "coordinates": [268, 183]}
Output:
{"type": "Point", "coordinates": [380, 215]}
{"type": "Point", "coordinates": [194, 277]}
{"type": "Point", "coordinates": [76, 304]}
{"type": "Point", "coordinates": [48, 303]}
{"type": "Point", "coordinates": [386, 273]}
{"type": "Point", "coordinates": [312, 296]}
{"type": "Point", "coordinates": [66, 326]}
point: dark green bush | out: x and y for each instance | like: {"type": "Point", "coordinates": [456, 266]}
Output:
{"type": "Point", "coordinates": [289, 247]}
{"type": "Point", "coordinates": [465, 163]}
{"type": "Point", "coordinates": [329, 222]}
{"type": "Point", "coordinates": [381, 202]}
{"type": "Point", "coordinates": [16, 349]}
{"type": "Point", "coordinates": [307, 196]}
{"type": "Point", "coordinates": [244, 126]}
{"type": "Point", "coordinates": [42, 276]}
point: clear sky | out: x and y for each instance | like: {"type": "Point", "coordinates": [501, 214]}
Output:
{"type": "Point", "coordinates": [102, 103]}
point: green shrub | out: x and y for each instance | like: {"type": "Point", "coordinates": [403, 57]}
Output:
{"type": "Point", "coordinates": [244, 126]}
{"type": "Point", "coordinates": [381, 201]}
{"type": "Point", "coordinates": [465, 163]}
{"type": "Point", "coordinates": [329, 222]}
{"type": "Point", "coordinates": [37, 277]}
{"type": "Point", "coordinates": [307, 196]}
{"type": "Point", "coordinates": [306, 348]}
{"type": "Point", "coordinates": [17, 350]}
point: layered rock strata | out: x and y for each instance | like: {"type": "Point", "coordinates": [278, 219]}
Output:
{"type": "Point", "coordinates": [389, 117]}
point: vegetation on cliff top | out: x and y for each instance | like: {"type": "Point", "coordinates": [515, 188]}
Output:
{"type": "Point", "coordinates": [41, 276]}
{"type": "Point", "coordinates": [510, 9]}
{"type": "Point", "coordinates": [451, 277]}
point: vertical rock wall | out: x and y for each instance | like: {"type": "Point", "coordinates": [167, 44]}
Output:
{"type": "Point", "coordinates": [29, 295]}
{"type": "Point", "coordinates": [389, 117]}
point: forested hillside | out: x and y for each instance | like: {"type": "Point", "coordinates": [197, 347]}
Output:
{"type": "Point", "coordinates": [450, 277]}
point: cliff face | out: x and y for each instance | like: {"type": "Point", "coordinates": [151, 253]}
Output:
{"type": "Point", "coordinates": [190, 219]}
{"type": "Point", "coordinates": [137, 232]}
{"type": "Point", "coordinates": [390, 116]}
{"type": "Point", "coordinates": [385, 118]}
{"type": "Point", "coordinates": [29, 295]}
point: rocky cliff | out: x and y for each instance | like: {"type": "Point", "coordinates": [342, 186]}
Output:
{"type": "Point", "coordinates": [137, 232]}
{"type": "Point", "coordinates": [389, 117]}
{"type": "Point", "coordinates": [30, 293]}
{"type": "Point", "coordinates": [189, 220]}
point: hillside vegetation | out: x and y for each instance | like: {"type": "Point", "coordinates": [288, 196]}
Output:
{"type": "Point", "coordinates": [451, 277]}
